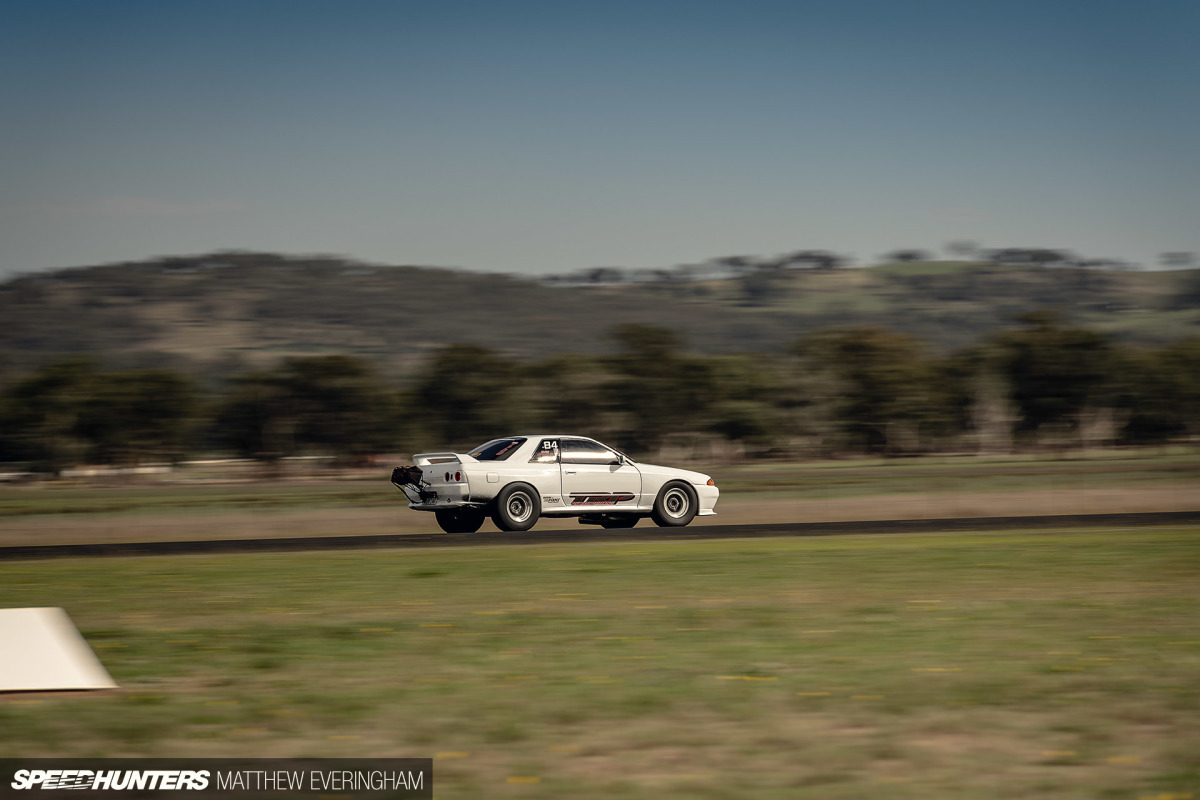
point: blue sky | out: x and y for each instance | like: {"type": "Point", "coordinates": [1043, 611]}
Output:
{"type": "Point", "coordinates": [553, 136]}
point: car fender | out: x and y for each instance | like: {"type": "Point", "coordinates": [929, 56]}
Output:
{"type": "Point", "coordinates": [654, 476]}
{"type": "Point", "coordinates": [488, 479]}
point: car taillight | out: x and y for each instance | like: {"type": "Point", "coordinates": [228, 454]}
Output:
{"type": "Point", "coordinates": [458, 476]}
{"type": "Point", "coordinates": [447, 477]}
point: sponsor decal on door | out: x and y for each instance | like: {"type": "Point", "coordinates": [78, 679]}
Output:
{"type": "Point", "coordinates": [599, 498]}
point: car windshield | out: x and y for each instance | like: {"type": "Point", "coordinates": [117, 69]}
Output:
{"type": "Point", "coordinates": [497, 449]}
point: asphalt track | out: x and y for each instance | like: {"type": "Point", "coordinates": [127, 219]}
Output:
{"type": "Point", "coordinates": [587, 533]}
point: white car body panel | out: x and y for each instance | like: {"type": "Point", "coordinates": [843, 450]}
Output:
{"type": "Point", "coordinates": [655, 477]}
{"type": "Point", "coordinates": [567, 487]}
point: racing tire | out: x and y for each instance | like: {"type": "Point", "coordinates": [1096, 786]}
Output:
{"type": "Point", "coordinates": [517, 507]}
{"type": "Point", "coordinates": [460, 520]}
{"type": "Point", "coordinates": [675, 506]}
{"type": "Point", "coordinates": [623, 521]}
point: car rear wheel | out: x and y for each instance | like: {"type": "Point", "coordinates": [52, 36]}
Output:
{"type": "Point", "coordinates": [460, 520]}
{"type": "Point", "coordinates": [516, 508]}
{"type": "Point", "coordinates": [675, 506]}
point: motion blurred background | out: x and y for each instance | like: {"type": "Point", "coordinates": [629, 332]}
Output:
{"type": "Point", "coordinates": [863, 260]}
{"type": "Point", "coordinates": [774, 230]}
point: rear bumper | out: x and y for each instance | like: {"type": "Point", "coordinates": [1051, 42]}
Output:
{"type": "Point", "coordinates": [446, 496]}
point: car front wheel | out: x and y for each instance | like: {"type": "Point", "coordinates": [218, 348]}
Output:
{"type": "Point", "coordinates": [517, 507]}
{"type": "Point", "coordinates": [675, 506]}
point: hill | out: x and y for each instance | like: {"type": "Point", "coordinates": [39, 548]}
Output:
{"type": "Point", "coordinates": [205, 313]}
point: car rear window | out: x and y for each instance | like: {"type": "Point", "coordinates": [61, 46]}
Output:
{"type": "Point", "coordinates": [497, 449]}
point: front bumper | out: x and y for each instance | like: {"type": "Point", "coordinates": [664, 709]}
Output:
{"type": "Point", "coordinates": [707, 496]}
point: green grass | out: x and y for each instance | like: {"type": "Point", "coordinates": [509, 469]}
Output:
{"type": "Point", "coordinates": [1056, 665]}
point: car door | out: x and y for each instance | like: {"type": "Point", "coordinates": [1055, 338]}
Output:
{"type": "Point", "coordinates": [594, 477]}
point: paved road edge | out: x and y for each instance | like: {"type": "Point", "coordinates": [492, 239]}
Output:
{"type": "Point", "coordinates": [589, 534]}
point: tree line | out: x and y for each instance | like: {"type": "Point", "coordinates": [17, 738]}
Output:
{"type": "Point", "coordinates": [859, 390]}
{"type": "Point", "coordinates": [824, 260]}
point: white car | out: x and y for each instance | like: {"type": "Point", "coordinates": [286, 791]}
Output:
{"type": "Point", "coordinates": [518, 479]}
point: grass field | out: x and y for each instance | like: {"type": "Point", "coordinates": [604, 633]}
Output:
{"type": "Point", "coordinates": [1035, 665]}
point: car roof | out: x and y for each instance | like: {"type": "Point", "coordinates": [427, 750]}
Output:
{"type": "Point", "coordinates": [547, 436]}
{"type": "Point", "coordinates": [533, 437]}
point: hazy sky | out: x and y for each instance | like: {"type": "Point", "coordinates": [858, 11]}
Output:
{"type": "Point", "coordinates": [552, 136]}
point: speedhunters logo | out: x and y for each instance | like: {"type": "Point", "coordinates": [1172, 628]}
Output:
{"type": "Point", "coordinates": [115, 779]}
{"type": "Point", "coordinates": [278, 778]}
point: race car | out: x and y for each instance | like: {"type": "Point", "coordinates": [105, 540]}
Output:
{"type": "Point", "coordinates": [518, 479]}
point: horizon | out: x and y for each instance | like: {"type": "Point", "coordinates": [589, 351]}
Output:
{"type": "Point", "coordinates": [539, 139]}
{"type": "Point", "coordinates": [627, 274]}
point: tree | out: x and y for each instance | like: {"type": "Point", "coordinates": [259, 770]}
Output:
{"type": "Point", "coordinates": [41, 416]}
{"type": "Point", "coordinates": [1029, 256]}
{"type": "Point", "coordinates": [464, 395]}
{"type": "Point", "coordinates": [604, 275]}
{"type": "Point", "coordinates": [657, 389]}
{"type": "Point", "coordinates": [1056, 372]}
{"type": "Point", "coordinates": [1187, 291]}
{"type": "Point", "coordinates": [1177, 369]}
{"type": "Point", "coordinates": [748, 398]}
{"type": "Point", "coordinates": [1177, 259]}
{"type": "Point", "coordinates": [256, 417]}
{"type": "Point", "coordinates": [137, 416]}
{"type": "Point", "coordinates": [562, 393]}
{"type": "Point", "coordinates": [907, 256]}
{"type": "Point", "coordinates": [69, 412]}
{"type": "Point", "coordinates": [342, 408]}
{"type": "Point", "coordinates": [329, 404]}
{"type": "Point", "coordinates": [885, 386]}
{"type": "Point", "coordinates": [738, 265]}
{"type": "Point", "coordinates": [963, 249]}
{"type": "Point", "coordinates": [993, 415]}
{"type": "Point", "coordinates": [812, 259]}
{"type": "Point", "coordinates": [759, 288]}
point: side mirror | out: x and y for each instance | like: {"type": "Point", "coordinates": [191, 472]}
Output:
{"type": "Point", "coordinates": [621, 460]}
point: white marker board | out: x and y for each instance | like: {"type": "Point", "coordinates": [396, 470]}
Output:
{"type": "Point", "coordinates": [41, 651]}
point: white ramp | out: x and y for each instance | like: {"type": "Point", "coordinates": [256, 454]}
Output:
{"type": "Point", "coordinates": [41, 650]}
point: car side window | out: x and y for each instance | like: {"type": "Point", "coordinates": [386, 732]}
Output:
{"type": "Point", "coordinates": [546, 452]}
{"type": "Point", "coordinates": [583, 451]}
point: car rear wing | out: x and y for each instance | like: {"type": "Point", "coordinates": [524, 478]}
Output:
{"type": "Point", "coordinates": [425, 459]}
